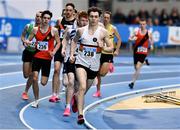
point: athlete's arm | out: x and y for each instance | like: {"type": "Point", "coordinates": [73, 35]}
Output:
{"type": "Point", "coordinates": [116, 33]}
{"type": "Point", "coordinates": [64, 42]}
{"type": "Point", "coordinates": [109, 47]}
{"type": "Point", "coordinates": [23, 35]}
{"type": "Point", "coordinates": [151, 41]}
{"type": "Point", "coordinates": [74, 45]}
{"type": "Point", "coordinates": [27, 42]}
{"type": "Point", "coordinates": [132, 37]}
{"type": "Point", "coordinates": [57, 39]}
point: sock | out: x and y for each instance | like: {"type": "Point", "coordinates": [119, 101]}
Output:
{"type": "Point", "coordinates": [68, 106]}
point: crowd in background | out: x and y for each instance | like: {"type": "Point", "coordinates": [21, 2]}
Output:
{"type": "Point", "coordinates": [155, 18]}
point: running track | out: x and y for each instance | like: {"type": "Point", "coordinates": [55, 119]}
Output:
{"type": "Point", "coordinates": [17, 114]}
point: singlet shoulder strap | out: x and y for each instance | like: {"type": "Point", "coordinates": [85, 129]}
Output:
{"type": "Point", "coordinates": [30, 28]}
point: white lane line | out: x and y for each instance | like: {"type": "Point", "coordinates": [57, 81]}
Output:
{"type": "Point", "coordinates": [117, 83]}
{"type": "Point", "coordinates": [21, 114]}
{"type": "Point", "coordinates": [7, 64]}
{"type": "Point", "coordinates": [92, 105]}
{"type": "Point", "coordinates": [17, 85]}
{"type": "Point", "coordinates": [124, 73]}
{"type": "Point", "coordinates": [11, 73]}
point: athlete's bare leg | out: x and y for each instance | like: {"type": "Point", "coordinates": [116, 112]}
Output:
{"type": "Point", "coordinates": [70, 88]}
{"type": "Point", "coordinates": [82, 79]}
{"type": "Point", "coordinates": [56, 78]}
{"type": "Point", "coordinates": [35, 85]}
{"type": "Point", "coordinates": [137, 67]}
{"type": "Point", "coordinates": [103, 71]}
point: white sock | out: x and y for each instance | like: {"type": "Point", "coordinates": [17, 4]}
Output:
{"type": "Point", "coordinates": [68, 106]}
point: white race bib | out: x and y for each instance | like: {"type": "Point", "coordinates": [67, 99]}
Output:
{"type": "Point", "coordinates": [32, 45]}
{"type": "Point", "coordinates": [42, 45]}
{"type": "Point", "coordinates": [89, 52]}
{"type": "Point", "coordinates": [142, 49]}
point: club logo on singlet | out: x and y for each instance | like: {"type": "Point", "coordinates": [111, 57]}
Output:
{"type": "Point", "coordinates": [42, 45]}
{"type": "Point", "coordinates": [94, 39]}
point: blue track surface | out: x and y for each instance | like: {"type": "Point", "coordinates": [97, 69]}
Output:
{"type": "Point", "coordinates": [163, 71]}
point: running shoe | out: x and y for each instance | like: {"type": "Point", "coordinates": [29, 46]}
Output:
{"type": "Point", "coordinates": [35, 104]}
{"type": "Point", "coordinates": [111, 68]}
{"type": "Point", "coordinates": [54, 99]}
{"type": "Point", "coordinates": [25, 96]}
{"type": "Point", "coordinates": [131, 85]}
{"type": "Point", "coordinates": [97, 94]}
{"type": "Point", "coordinates": [80, 119]}
{"type": "Point", "coordinates": [67, 112]}
{"type": "Point", "coordinates": [74, 104]}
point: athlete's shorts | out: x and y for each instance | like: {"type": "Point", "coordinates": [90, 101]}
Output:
{"type": "Point", "coordinates": [27, 56]}
{"type": "Point", "coordinates": [68, 67]}
{"type": "Point", "coordinates": [44, 65]}
{"type": "Point", "coordinates": [139, 57]}
{"type": "Point", "coordinates": [106, 58]}
{"type": "Point", "coordinates": [58, 56]}
{"type": "Point", "coordinates": [90, 74]}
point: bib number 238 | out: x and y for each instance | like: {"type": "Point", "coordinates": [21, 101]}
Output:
{"type": "Point", "coordinates": [42, 46]}
{"type": "Point", "coordinates": [89, 52]}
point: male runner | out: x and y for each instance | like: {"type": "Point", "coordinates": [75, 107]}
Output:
{"type": "Point", "coordinates": [28, 54]}
{"type": "Point", "coordinates": [142, 38]}
{"type": "Point", "coordinates": [88, 58]}
{"type": "Point", "coordinates": [45, 36]}
{"type": "Point", "coordinates": [69, 68]}
{"type": "Point", "coordinates": [67, 21]}
{"type": "Point", "coordinates": [106, 57]}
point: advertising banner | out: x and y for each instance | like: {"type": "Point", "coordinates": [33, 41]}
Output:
{"type": "Point", "coordinates": [160, 34]}
{"type": "Point", "coordinates": [174, 36]}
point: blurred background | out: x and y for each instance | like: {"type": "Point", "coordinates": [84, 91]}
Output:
{"type": "Point", "coordinates": [162, 16]}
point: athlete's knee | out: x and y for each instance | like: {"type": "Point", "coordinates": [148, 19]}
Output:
{"type": "Point", "coordinates": [43, 82]}
{"type": "Point", "coordinates": [35, 78]}
{"type": "Point", "coordinates": [57, 71]}
{"type": "Point", "coordinates": [65, 82]}
{"type": "Point", "coordinates": [82, 88]}
{"type": "Point", "coordinates": [71, 82]}
{"type": "Point", "coordinates": [26, 75]}
{"type": "Point", "coordinates": [102, 74]}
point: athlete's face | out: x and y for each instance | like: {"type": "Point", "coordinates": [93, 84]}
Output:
{"type": "Point", "coordinates": [46, 19]}
{"type": "Point", "coordinates": [142, 24]}
{"type": "Point", "coordinates": [93, 18]}
{"type": "Point", "coordinates": [106, 18]}
{"type": "Point", "coordinates": [83, 21]}
{"type": "Point", "coordinates": [69, 11]}
{"type": "Point", "coordinates": [38, 18]}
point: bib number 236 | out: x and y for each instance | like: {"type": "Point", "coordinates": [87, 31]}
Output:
{"type": "Point", "coordinates": [42, 46]}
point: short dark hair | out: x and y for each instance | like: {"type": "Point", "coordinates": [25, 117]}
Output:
{"type": "Point", "coordinates": [47, 12]}
{"type": "Point", "coordinates": [70, 4]}
{"type": "Point", "coordinates": [108, 12]}
{"type": "Point", "coordinates": [143, 19]}
{"type": "Point", "coordinates": [94, 9]}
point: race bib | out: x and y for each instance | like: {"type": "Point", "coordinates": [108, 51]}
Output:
{"type": "Point", "coordinates": [89, 52]}
{"type": "Point", "coordinates": [42, 46]}
{"type": "Point", "coordinates": [32, 45]}
{"type": "Point", "coordinates": [61, 33]}
{"type": "Point", "coordinates": [142, 49]}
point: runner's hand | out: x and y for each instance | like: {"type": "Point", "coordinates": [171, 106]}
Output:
{"type": "Point", "coordinates": [152, 47]}
{"type": "Point", "coordinates": [63, 52]}
{"type": "Point", "coordinates": [51, 53]}
{"type": "Point", "coordinates": [27, 43]}
{"type": "Point", "coordinates": [72, 59]}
